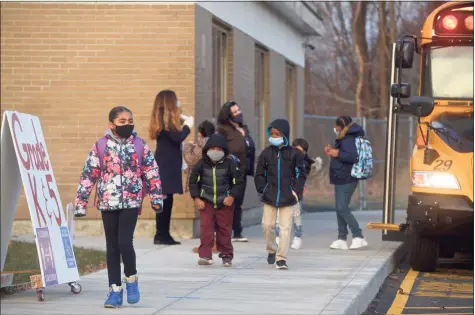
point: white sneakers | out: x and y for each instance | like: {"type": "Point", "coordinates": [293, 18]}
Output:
{"type": "Point", "coordinates": [339, 244]}
{"type": "Point", "coordinates": [356, 243]}
{"type": "Point", "coordinates": [296, 243]}
{"type": "Point", "coordinates": [205, 261]}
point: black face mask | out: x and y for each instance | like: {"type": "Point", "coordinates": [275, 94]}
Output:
{"type": "Point", "coordinates": [238, 119]}
{"type": "Point", "coordinates": [124, 131]}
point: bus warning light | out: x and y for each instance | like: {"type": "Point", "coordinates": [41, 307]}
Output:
{"type": "Point", "coordinates": [450, 22]}
{"type": "Point", "coordinates": [469, 22]}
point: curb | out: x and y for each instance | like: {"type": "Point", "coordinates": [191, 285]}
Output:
{"type": "Point", "coordinates": [346, 302]}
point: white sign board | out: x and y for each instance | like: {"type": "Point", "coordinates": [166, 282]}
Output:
{"type": "Point", "coordinates": [27, 156]}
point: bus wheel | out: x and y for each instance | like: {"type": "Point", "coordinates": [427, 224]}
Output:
{"type": "Point", "coordinates": [424, 253]}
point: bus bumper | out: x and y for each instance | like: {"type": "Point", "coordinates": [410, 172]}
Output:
{"type": "Point", "coordinates": [440, 215]}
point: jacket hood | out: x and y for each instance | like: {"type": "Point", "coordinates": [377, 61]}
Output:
{"type": "Point", "coordinates": [110, 134]}
{"type": "Point", "coordinates": [352, 129]}
{"type": "Point", "coordinates": [283, 126]}
{"type": "Point", "coordinates": [216, 140]}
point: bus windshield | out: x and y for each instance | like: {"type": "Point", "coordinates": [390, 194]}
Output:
{"type": "Point", "coordinates": [452, 72]}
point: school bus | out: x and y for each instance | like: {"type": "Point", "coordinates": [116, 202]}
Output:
{"type": "Point", "coordinates": [439, 219]}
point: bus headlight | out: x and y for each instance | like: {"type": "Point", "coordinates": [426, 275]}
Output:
{"type": "Point", "coordinates": [434, 180]}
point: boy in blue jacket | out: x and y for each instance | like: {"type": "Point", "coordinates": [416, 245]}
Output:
{"type": "Point", "coordinates": [279, 179]}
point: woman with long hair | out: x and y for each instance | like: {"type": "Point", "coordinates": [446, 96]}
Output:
{"type": "Point", "coordinates": [231, 126]}
{"type": "Point", "coordinates": [167, 129]}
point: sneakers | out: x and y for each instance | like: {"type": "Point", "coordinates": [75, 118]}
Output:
{"type": "Point", "coordinates": [277, 239]}
{"type": "Point", "coordinates": [281, 264]}
{"type": "Point", "coordinates": [271, 258]}
{"type": "Point", "coordinates": [115, 297]}
{"type": "Point", "coordinates": [239, 238]}
{"type": "Point", "coordinates": [227, 262]}
{"type": "Point", "coordinates": [203, 261]}
{"type": "Point", "coordinates": [339, 244]}
{"type": "Point", "coordinates": [358, 242]}
{"type": "Point", "coordinates": [132, 286]}
{"type": "Point", "coordinates": [296, 243]}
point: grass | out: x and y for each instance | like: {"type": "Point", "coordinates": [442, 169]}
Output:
{"type": "Point", "coordinates": [24, 256]}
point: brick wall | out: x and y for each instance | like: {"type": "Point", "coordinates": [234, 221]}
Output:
{"type": "Point", "coordinates": [70, 63]}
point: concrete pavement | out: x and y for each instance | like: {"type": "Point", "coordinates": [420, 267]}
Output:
{"type": "Point", "coordinates": [319, 281]}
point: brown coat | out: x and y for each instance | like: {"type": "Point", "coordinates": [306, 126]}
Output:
{"type": "Point", "coordinates": [192, 154]}
{"type": "Point", "coordinates": [236, 143]}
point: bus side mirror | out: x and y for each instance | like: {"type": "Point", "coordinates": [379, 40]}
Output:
{"type": "Point", "coordinates": [421, 106]}
{"type": "Point", "coordinates": [404, 53]}
{"type": "Point", "coordinates": [404, 90]}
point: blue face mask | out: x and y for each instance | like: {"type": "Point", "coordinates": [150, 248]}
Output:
{"type": "Point", "coordinates": [276, 141]}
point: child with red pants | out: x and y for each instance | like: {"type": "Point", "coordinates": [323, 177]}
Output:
{"type": "Point", "coordinates": [214, 182]}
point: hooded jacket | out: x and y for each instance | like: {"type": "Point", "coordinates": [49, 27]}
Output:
{"type": "Point", "coordinates": [213, 182]}
{"type": "Point", "coordinates": [119, 185]}
{"type": "Point", "coordinates": [281, 170]}
{"type": "Point", "coordinates": [340, 166]}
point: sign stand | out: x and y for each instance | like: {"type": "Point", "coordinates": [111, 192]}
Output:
{"type": "Point", "coordinates": [25, 159]}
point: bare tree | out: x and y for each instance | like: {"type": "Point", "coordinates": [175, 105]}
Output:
{"type": "Point", "coordinates": [349, 70]}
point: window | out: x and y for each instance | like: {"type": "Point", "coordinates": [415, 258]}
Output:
{"type": "Point", "coordinates": [220, 67]}
{"type": "Point", "coordinates": [448, 72]}
{"type": "Point", "coordinates": [260, 99]}
{"type": "Point", "coordinates": [290, 97]}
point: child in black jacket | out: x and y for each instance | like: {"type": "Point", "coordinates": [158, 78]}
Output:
{"type": "Point", "coordinates": [302, 145]}
{"type": "Point", "coordinates": [215, 181]}
{"type": "Point", "coordinates": [280, 179]}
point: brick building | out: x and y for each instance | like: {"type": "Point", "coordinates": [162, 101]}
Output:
{"type": "Point", "coordinates": [70, 63]}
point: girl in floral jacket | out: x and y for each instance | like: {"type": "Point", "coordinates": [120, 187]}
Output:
{"type": "Point", "coordinates": [119, 197]}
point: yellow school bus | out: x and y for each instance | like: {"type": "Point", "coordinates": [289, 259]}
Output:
{"type": "Point", "coordinates": [439, 219]}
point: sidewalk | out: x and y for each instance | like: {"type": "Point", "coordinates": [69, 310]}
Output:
{"type": "Point", "coordinates": [319, 281]}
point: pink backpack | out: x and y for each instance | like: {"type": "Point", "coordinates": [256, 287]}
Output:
{"type": "Point", "coordinates": [139, 147]}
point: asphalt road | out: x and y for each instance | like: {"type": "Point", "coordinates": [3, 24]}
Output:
{"type": "Point", "coordinates": [447, 291]}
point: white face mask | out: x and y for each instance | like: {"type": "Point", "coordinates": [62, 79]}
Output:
{"type": "Point", "coordinates": [177, 103]}
{"type": "Point", "coordinates": [336, 131]}
{"type": "Point", "coordinates": [215, 155]}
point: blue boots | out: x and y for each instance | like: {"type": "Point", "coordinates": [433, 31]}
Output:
{"type": "Point", "coordinates": [115, 297]}
{"type": "Point", "coordinates": [133, 293]}
{"type": "Point", "coordinates": [116, 293]}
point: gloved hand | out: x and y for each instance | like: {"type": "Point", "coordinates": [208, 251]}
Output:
{"type": "Point", "coordinates": [189, 121]}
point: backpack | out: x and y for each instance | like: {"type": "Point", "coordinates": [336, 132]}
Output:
{"type": "Point", "coordinates": [234, 158]}
{"type": "Point", "coordinates": [363, 168]}
{"type": "Point", "coordinates": [139, 147]}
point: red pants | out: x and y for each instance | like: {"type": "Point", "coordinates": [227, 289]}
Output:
{"type": "Point", "coordinates": [223, 220]}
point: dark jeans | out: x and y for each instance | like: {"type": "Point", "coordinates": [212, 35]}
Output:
{"type": "Point", "coordinates": [237, 227]}
{"type": "Point", "coordinates": [221, 220]}
{"type": "Point", "coordinates": [119, 227]}
{"type": "Point", "coordinates": [162, 220]}
{"type": "Point", "coordinates": [344, 216]}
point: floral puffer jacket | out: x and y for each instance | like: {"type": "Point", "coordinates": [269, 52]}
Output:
{"type": "Point", "coordinates": [120, 184]}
